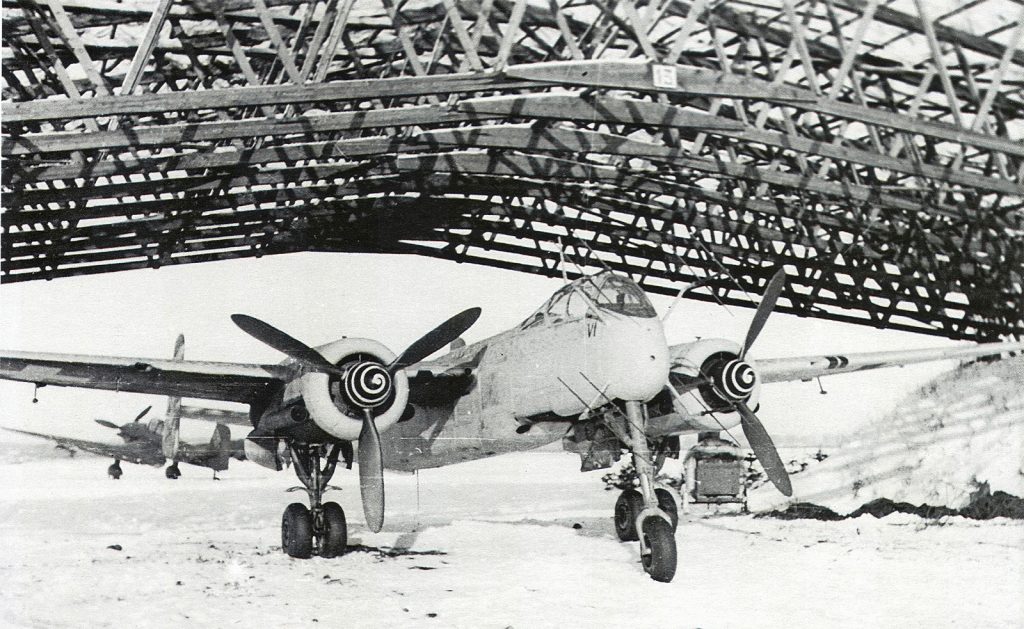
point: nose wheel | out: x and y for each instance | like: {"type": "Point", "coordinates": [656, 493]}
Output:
{"type": "Point", "coordinates": [648, 515]}
{"type": "Point", "coordinates": [320, 529]}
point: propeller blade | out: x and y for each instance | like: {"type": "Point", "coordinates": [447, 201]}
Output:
{"type": "Point", "coordinates": [103, 422]}
{"type": "Point", "coordinates": [436, 339]}
{"type": "Point", "coordinates": [143, 413]}
{"type": "Point", "coordinates": [290, 346]}
{"type": "Point", "coordinates": [764, 449]}
{"type": "Point", "coordinates": [371, 473]}
{"type": "Point", "coordinates": [771, 295]}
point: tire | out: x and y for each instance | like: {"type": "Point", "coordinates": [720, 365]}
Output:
{"type": "Point", "coordinates": [627, 507]}
{"type": "Point", "coordinates": [297, 531]}
{"type": "Point", "coordinates": [335, 538]}
{"type": "Point", "coordinates": [660, 562]}
{"type": "Point", "coordinates": [668, 505]}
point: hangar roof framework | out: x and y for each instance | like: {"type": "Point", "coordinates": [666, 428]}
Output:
{"type": "Point", "coordinates": [872, 148]}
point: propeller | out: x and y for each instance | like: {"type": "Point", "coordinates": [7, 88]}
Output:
{"type": "Point", "coordinates": [371, 473]}
{"type": "Point", "coordinates": [764, 449]}
{"type": "Point", "coordinates": [109, 424]}
{"type": "Point", "coordinates": [771, 295]}
{"type": "Point", "coordinates": [733, 382]}
{"type": "Point", "coordinates": [371, 458]}
{"type": "Point", "coordinates": [762, 445]}
{"type": "Point", "coordinates": [436, 339]}
{"type": "Point", "coordinates": [287, 345]}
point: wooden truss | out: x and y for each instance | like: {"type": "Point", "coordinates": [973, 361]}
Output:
{"type": "Point", "coordinates": [876, 149]}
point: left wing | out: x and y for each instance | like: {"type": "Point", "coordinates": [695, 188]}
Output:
{"type": "Point", "coordinates": [131, 453]}
{"type": "Point", "coordinates": [808, 367]}
{"type": "Point", "coordinates": [230, 382]}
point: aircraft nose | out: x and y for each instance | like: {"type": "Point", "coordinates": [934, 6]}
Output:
{"type": "Point", "coordinates": [640, 355]}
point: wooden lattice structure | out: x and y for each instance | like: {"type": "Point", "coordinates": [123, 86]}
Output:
{"type": "Point", "coordinates": [874, 148]}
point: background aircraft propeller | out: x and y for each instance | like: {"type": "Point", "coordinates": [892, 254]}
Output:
{"type": "Point", "coordinates": [110, 424]}
{"type": "Point", "coordinates": [371, 458]}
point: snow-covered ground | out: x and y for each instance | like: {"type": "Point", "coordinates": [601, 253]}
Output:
{"type": "Point", "coordinates": [523, 540]}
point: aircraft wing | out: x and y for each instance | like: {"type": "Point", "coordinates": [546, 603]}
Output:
{"type": "Point", "coordinates": [231, 382]}
{"type": "Point", "coordinates": [216, 415]}
{"type": "Point", "coordinates": [808, 367]}
{"type": "Point", "coordinates": [130, 453]}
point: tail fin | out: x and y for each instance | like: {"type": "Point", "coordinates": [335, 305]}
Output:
{"type": "Point", "coordinates": [172, 419]}
{"type": "Point", "coordinates": [221, 438]}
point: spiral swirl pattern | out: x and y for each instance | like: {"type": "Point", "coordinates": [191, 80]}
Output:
{"type": "Point", "coordinates": [367, 384]}
{"type": "Point", "coordinates": [737, 380]}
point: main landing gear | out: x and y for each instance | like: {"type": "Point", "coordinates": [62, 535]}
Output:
{"type": "Point", "coordinates": [648, 515]}
{"type": "Point", "coordinates": [321, 529]}
{"type": "Point", "coordinates": [114, 471]}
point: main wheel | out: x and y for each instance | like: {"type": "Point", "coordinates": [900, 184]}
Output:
{"type": "Point", "coordinates": [297, 531]}
{"type": "Point", "coordinates": [114, 471]}
{"type": "Point", "coordinates": [668, 505]}
{"type": "Point", "coordinates": [660, 561]}
{"type": "Point", "coordinates": [172, 472]}
{"type": "Point", "coordinates": [335, 537]}
{"type": "Point", "coordinates": [627, 507]}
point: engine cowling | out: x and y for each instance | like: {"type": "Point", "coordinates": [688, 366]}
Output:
{"type": "Point", "coordinates": [336, 403]}
{"type": "Point", "coordinates": [731, 380]}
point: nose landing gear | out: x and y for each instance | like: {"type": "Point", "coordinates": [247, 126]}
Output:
{"type": "Point", "coordinates": [320, 529]}
{"type": "Point", "coordinates": [648, 515]}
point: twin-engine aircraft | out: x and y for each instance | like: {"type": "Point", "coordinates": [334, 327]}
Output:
{"type": "Point", "coordinates": [158, 440]}
{"type": "Point", "coordinates": [592, 358]}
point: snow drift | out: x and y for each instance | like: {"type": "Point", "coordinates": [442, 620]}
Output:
{"type": "Point", "coordinates": [954, 441]}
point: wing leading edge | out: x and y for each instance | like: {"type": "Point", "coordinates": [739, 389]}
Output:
{"type": "Point", "coordinates": [808, 367]}
{"type": "Point", "coordinates": [229, 382]}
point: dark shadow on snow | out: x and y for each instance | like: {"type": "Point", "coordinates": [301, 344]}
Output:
{"type": "Point", "coordinates": [983, 506]}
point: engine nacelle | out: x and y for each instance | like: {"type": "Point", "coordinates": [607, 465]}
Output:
{"type": "Point", "coordinates": [336, 402]}
{"type": "Point", "coordinates": [732, 380]}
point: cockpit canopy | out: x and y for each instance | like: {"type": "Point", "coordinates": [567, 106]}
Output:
{"type": "Point", "coordinates": [606, 290]}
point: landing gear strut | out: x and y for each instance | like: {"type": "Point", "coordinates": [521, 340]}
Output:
{"type": "Point", "coordinates": [650, 514]}
{"type": "Point", "coordinates": [172, 472]}
{"type": "Point", "coordinates": [114, 471]}
{"type": "Point", "coordinates": [320, 529]}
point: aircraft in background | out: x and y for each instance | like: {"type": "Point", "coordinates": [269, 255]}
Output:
{"type": "Point", "coordinates": [591, 359]}
{"type": "Point", "coordinates": [157, 441]}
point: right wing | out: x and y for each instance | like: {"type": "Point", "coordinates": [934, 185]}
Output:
{"type": "Point", "coordinates": [130, 453]}
{"type": "Point", "coordinates": [809, 367]}
{"type": "Point", "coordinates": [230, 382]}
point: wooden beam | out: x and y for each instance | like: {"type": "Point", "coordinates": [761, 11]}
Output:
{"type": "Point", "coordinates": [357, 89]}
